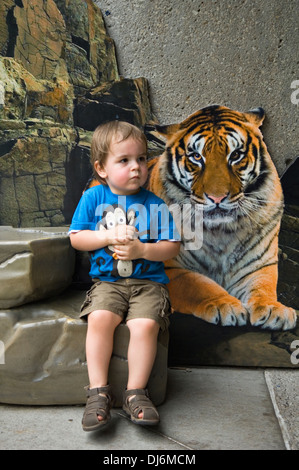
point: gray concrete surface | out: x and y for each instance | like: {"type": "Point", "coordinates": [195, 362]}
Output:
{"type": "Point", "coordinates": [205, 409]}
{"type": "Point", "coordinates": [284, 392]}
{"type": "Point", "coordinates": [241, 54]}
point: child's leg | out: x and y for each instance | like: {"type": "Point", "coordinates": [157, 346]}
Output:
{"type": "Point", "coordinates": [141, 351]}
{"type": "Point", "coordinates": [99, 345]}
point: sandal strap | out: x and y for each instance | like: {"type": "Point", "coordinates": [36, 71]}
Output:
{"type": "Point", "coordinates": [99, 402]}
{"type": "Point", "coordinates": [140, 403]}
{"type": "Point", "coordinates": [135, 391]}
{"type": "Point", "coordinates": [106, 390]}
{"type": "Point", "coordinates": [98, 405]}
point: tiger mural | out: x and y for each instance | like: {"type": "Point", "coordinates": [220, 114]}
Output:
{"type": "Point", "coordinates": [217, 162]}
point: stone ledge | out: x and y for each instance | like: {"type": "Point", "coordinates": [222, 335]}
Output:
{"type": "Point", "coordinates": [34, 264]}
{"type": "Point", "coordinates": [44, 363]}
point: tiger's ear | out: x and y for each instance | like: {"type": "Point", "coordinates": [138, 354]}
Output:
{"type": "Point", "coordinates": [256, 116]}
{"type": "Point", "coordinates": [168, 129]}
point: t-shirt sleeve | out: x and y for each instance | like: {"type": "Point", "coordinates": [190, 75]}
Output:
{"type": "Point", "coordinates": [84, 216]}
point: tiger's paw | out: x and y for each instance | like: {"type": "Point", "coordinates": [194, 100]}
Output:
{"type": "Point", "coordinates": [226, 310]}
{"type": "Point", "coordinates": [274, 316]}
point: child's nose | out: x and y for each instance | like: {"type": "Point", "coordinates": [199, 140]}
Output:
{"type": "Point", "coordinates": [135, 164]}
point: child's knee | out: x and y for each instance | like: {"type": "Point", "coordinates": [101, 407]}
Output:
{"type": "Point", "coordinates": [103, 318]}
{"type": "Point", "coordinates": [143, 326]}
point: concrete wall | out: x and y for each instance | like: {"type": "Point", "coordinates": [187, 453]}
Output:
{"type": "Point", "coordinates": [238, 53]}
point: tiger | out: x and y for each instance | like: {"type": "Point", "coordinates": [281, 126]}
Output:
{"type": "Point", "coordinates": [216, 161]}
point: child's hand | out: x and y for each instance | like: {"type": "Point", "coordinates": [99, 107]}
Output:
{"type": "Point", "coordinates": [121, 234]}
{"type": "Point", "coordinates": [133, 249]}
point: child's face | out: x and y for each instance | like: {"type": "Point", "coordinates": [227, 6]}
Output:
{"type": "Point", "coordinates": [125, 169]}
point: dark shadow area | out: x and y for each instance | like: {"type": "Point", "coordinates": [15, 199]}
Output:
{"type": "Point", "coordinates": [78, 171]}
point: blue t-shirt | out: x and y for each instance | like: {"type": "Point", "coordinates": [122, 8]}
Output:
{"type": "Point", "coordinates": [100, 209]}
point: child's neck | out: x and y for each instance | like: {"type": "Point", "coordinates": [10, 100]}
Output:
{"type": "Point", "coordinates": [123, 193]}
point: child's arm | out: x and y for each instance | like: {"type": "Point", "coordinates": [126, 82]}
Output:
{"type": "Point", "coordinates": [160, 251]}
{"type": "Point", "coordinates": [151, 251]}
{"type": "Point", "coordinates": [90, 240]}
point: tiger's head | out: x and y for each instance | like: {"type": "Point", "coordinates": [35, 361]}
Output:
{"type": "Point", "coordinates": [217, 159]}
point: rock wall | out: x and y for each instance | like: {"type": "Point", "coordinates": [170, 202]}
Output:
{"type": "Point", "coordinates": [58, 81]}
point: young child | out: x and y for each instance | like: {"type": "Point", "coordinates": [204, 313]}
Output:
{"type": "Point", "coordinates": [128, 240]}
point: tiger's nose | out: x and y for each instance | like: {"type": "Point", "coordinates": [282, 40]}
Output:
{"type": "Point", "coordinates": [216, 199]}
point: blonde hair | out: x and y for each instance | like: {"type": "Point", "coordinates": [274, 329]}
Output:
{"type": "Point", "coordinates": [104, 135]}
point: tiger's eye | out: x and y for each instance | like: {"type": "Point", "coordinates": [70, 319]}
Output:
{"type": "Point", "coordinates": [197, 159]}
{"type": "Point", "coordinates": [235, 155]}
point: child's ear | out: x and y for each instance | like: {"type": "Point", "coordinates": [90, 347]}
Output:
{"type": "Point", "coordinates": [100, 170]}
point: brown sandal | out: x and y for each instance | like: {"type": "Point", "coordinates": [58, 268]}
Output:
{"type": "Point", "coordinates": [99, 402]}
{"type": "Point", "coordinates": [140, 403]}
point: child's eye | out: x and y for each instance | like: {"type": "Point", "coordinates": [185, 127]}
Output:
{"type": "Point", "coordinates": [123, 160]}
{"type": "Point", "coordinates": [142, 158]}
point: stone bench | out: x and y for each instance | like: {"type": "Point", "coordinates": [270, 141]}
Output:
{"type": "Point", "coordinates": [45, 361]}
{"type": "Point", "coordinates": [34, 264]}
{"type": "Point", "coordinates": [42, 339]}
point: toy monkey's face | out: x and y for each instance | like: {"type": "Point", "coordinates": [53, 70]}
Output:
{"type": "Point", "coordinates": [118, 217]}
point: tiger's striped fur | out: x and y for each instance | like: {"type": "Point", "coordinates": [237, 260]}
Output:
{"type": "Point", "coordinates": [216, 160]}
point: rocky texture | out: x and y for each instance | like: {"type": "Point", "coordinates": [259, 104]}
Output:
{"type": "Point", "coordinates": [58, 81]}
{"type": "Point", "coordinates": [27, 97]}
{"type": "Point", "coordinates": [123, 99]}
{"type": "Point", "coordinates": [34, 264]}
{"type": "Point", "coordinates": [89, 51]}
{"type": "Point", "coordinates": [59, 41]}
{"type": "Point", "coordinates": [34, 182]}
{"type": "Point", "coordinates": [45, 355]}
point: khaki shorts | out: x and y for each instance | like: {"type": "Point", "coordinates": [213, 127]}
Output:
{"type": "Point", "coordinates": [130, 298]}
